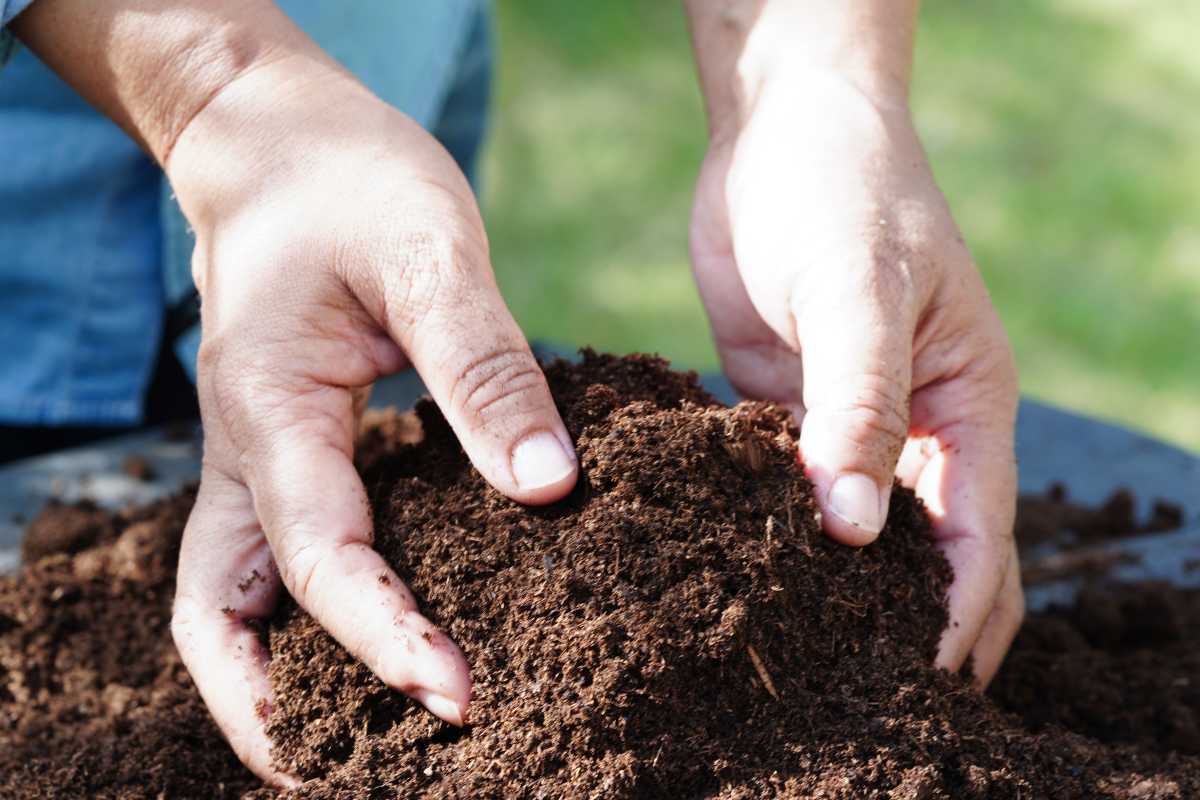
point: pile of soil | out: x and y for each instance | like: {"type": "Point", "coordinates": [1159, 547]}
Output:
{"type": "Point", "coordinates": [1123, 663]}
{"type": "Point", "coordinates": [94, 701]}
{"type": "Point", "coordinates": [677, 627]}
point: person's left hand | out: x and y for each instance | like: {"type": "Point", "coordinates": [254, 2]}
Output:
{"type": "Point", "coordinates": [837, 284]}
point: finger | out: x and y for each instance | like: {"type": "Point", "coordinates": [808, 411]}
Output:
{"type": "Point", "coordinates": [442, 306]}
{"type": "Point", "coordinates": [968, 486]}
{"type": "Point", "coordinates": [225, 578]}
{"type": "Point", "coordinates": [313, 507]}
{"type": "Point", "coordinates": [1001, 626]}
{"type": "Point", "coordinates": [856, 345]}
{"type": "Point", "coordinates": [756, 361]}
{"type": "Point", "coordinates": [361, 396]}
{"type": "Point", "coordinates": [913, 458]}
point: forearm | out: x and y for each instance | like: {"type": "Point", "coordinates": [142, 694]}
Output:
{"type": "Point", "coordinates": [151, 65]}
{"type": "Point", "coordinates": [741, 44]}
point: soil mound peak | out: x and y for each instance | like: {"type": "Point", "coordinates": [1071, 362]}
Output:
{"type": "Point", "coordinates": [650, 636]}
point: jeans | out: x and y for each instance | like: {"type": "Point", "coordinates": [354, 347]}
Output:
{"type": "Point", "coordinates": [94, 251]}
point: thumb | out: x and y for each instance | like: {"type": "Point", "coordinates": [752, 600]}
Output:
{"type": "Point", "coordinates": [454, 327]}
{"type": "Point", "coordinates": [856, 348]}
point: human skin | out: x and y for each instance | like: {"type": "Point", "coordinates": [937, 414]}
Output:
{"type": "Point", "coordinates": [337, 242]}
{"type": "Point", "coordinates": [838, 284]}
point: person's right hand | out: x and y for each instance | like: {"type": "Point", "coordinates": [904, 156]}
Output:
{"type": "Point", "coordinates": [337, 242]}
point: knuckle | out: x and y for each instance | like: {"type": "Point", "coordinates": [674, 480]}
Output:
{"type": "Point", "coordinates": [874, 413]}
{"type": "Point", "coordinates": [308, 565]}
{"type": "Point", "coordinates": [436, 262]}
{"type": "Point", "coordinates": [892, 274]}
{"type": "Point", "coordinates": [226, 385]}
{"type": "Point", "coordinates": [251, 401]}
{"type": "Point", "coordinates": [298, 570]}
{"type": "Point", "coordinates": [888, 274]}
{"type": "Point", "coordinates": [370, 650]}
{"type": "Point", "coordinates": [493, 384]}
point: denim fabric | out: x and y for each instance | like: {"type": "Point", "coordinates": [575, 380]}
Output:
{"type": "Point", "coordinates": [8, 10]}
{"type": "Point", "coordinates": [92, 244]}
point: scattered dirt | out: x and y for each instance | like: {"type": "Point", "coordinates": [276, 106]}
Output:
{"type": "Point", "coordinates": [138, 468]}
{"type": "Point", "coordinates": [1059, 539]}
{"type": "Point", "coordinates": [94, 702]}
{"type": "Point", "coordinates": [1054, 518]}
{"type": "Point", "coordinates": [1122, 665]}
{"type": "Point", "coordinates": [1074, 564]}
{"type": "Point", "coordinates": [678, 627]}
{"type": "Point", "coordinates": [65, 528]}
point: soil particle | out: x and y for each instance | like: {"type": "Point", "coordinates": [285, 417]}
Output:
{"type": "Point", "coordinates": [1122, 665]}
{"type": "Point", "coordinates": [94, 701]}
{"type": "Point", "coordinates": [65, 528]}
{"type": "Point", "coordinates": [677, 627]}
{"type": "Point", "coordinates": [138, 468]}
{"type": "Point", "coordinates": [248, 582]}
{"type": "Point", "coordinates": [1054, 518]}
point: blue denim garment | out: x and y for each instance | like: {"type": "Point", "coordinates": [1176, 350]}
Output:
{"type": "Point", "coordinates": [92, 244]}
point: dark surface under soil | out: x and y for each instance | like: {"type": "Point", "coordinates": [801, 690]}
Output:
{"type": "Point", "coordinates": [678, 627]}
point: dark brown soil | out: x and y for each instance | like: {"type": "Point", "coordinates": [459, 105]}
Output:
{"type": "Point", "coordinates": [1122, 664]}
{"type": "Point", "coordinates": [63, 528]}
{"type": "Point", "coordinates": [678, 627]}
{"type": "Point", "coordinates": [1054, 518]}
{"type": "Point", "coordinates": [1119, 666]}
{"type": "Point", "coordinates": [138, 468]}
{"type": "Point", "coordinates": [94, 701]}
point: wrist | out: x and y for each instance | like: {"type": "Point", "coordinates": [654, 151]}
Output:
{"type": "Point", "coordinates": [801, 94]}
{"type": "Point", "coordinates": [800, 50]}
{"type": "Point", "coordinates": [151, 65]}
{"type": "Point", "coordinates": [266, 129]}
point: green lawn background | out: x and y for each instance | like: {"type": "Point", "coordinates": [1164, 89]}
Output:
{"type": "Point", "coordinates": [1066, 136]}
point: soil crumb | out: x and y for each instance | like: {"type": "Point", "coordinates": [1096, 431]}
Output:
{"type": "Point", "coordinates": [94, 701]}
{"type": "Point", "coordinates": [678, 627]}
{"type": "Point", "coordinates": [138, 468]}
{"type": "Point", "coordinates": [1054, 518]}
{"type": "Point", "coordinates": [65, 528]}
{"type": "Point", "coordinates": [1121, 665]}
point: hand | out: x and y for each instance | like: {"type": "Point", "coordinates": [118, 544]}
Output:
{"type": "Point", "coordinates": [838, 284]}
{"type": "Point", "coordinates": [336, 243]}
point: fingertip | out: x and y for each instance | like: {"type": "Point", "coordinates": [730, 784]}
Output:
{"type": "Point", "coordinates": [952, 651]}
{"type": "Point", "coordinates": [544, 467]}
{"type": "Point", "coordinates": [284, 780]}
{"type": "Point", "coordinates": [429, 667]}
{"type": "Point", "coordinates": [253, 749]}
{"type": "Point", "coordinates": [229, 668]}
{"type": "Point", "coordinates": [854, 510]}
{"type": "Point", "coordinates": [440, 678]}
{"type": "Point", "coordinates": [847, 533]}
{"type": "Point", "coordinates": [1000, 630]}
{"type": "Point", "coordinates": [971, 601]}
{"type": "Point", "coordinates": [443, 707]}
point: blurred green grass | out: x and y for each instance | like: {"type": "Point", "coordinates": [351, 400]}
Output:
{"type": "Point", "coordinates": [1066, 136]}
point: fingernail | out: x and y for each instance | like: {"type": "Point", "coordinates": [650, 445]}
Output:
{"type": "Point", "coordinates": [440, 706]}
{"type": "Point", "coordinates": [856, 499]}
{"type": "Point", "coordinates": [541, 460]}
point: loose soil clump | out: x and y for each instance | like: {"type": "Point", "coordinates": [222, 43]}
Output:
{"type": "Point", "coordinates": [677, 627]}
